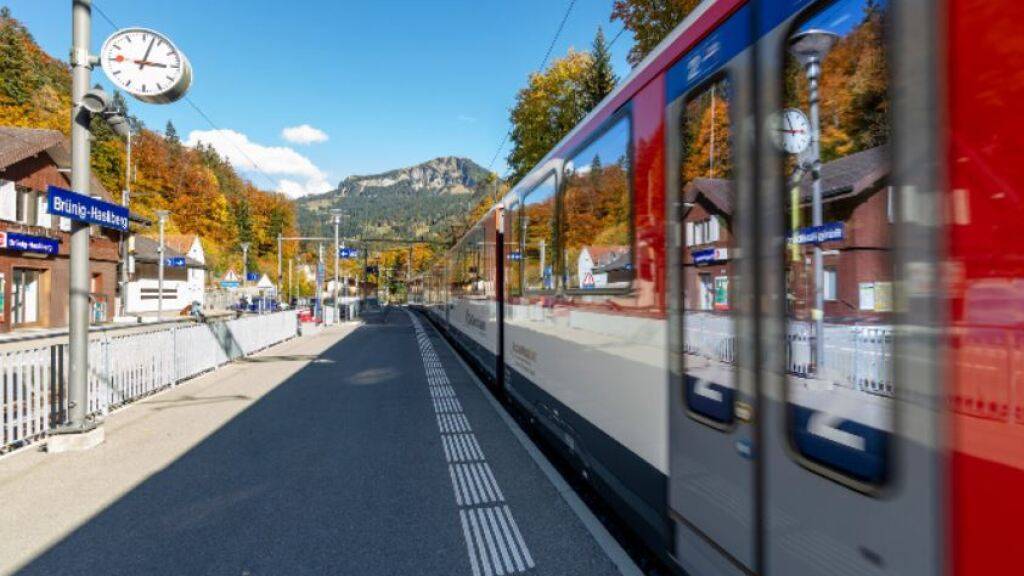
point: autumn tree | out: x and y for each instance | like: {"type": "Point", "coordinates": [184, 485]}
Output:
{"type": "Point", "coordinates": [650, 21]}
{"type": "Point", "coordinates": [546, 110]}
{"type": "Point", "coordinates": [707, 135]}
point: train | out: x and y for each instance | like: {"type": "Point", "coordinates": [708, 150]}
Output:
{"type": "Point", "coordinates": [768, 296]}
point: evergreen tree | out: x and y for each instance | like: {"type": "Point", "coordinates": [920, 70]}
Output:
{"type": "Point", "coordinates": [600, 79]}
{"type": "Point", "coordinates": [650, 21]}
{"type": "Point", "coordinates": [171, 134]}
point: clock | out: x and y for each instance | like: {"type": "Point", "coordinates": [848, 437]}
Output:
{"type": "Point", "coordinates": [146, 64]}
{"type": "Point", "coordinates": [792, 131]}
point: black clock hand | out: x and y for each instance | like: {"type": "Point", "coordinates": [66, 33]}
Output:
{"type": "Point", "coordinates": [146, 55]}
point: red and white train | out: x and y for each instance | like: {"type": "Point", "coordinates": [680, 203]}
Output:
{"type": "Point", "coordinates": [769, 295]}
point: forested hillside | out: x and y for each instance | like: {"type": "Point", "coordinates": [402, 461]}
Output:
{"type": "Point", "coordinates": [204, 193]}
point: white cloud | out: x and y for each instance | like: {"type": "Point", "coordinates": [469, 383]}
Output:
{"type": "Point", "coordinates": [304, 134]}
{"type": "Point", "coordinates": [304, 177]}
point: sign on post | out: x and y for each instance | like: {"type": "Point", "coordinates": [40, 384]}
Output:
{"type": "Point", "coordinates": [346, 253]}
{"type": "Point", "coordinates": [831, 232]}
{"type": "Point", "coordinates": [252, 277]}
{"type": "Point", "coordinates": [175, 262]}
{"type": "Point", "coordinates": [26, 243]}
{"type": "Point", "coordinates": [82, 208]}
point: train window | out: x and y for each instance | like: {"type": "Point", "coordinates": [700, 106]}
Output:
{"type": "Point", "coordinates": [838, 254]}
{"type": "Point", "coordinates": [596, 230]}
{"type": "Point", "coordinates": [709, 332]}
{"type": "Point", "coordinates": [513, 250]}
{"type": "Point", "coordinates": [538, 237]}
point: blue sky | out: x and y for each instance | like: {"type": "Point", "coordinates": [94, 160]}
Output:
{"type": "Point", "coordinates": [390, 82]}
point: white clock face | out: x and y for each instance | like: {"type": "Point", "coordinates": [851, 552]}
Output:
{"type": "Point", "coordinates": [793, 132]}
{"type": "Point", "coordinates": [145, 64]}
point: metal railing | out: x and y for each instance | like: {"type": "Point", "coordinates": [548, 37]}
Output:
{"type": "Point", "coordinates": [125, 365]}
{"type": "Point", "coordinates": [856, 356]}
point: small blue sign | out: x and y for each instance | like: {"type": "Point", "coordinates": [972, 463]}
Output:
{"type": "Point", "coordinates": [26, 243]}
{"type": "Point", "coordinates": [831, 232]}
{"type": "Point", "coordinates": [229, 283]}
{"type": "Point", "coordinates": [82, 208]}
{"type": "Point", "coordinates": [346, 253]}
{"type": "Point", "coordinates": [515, 256]}
{"type": "Point", "coordinates": [703, 256]}
{"type": "Point", "coordinates": [252, 277]}
{"type": "Point", "coordinates": [175, 262]}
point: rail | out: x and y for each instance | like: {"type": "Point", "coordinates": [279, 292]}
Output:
{"type": "Point", "coordinates": [125, 365]}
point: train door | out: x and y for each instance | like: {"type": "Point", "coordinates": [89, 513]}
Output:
{"type": "Point", "coordinates": [849, 386]}
{"type": "Point", "coordinates": [712, 393]}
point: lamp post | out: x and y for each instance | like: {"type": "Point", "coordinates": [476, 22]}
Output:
{"type": "Point", "coordinates": [810, 48]}
{"type": "Point", "coordinates": [336, 217]}
{"type": "Point", "coordinates": [125, 199]}
{"type": "Point", "coordinates": [245, 263]}
{"type": "Point", "coordinates": [161, 218]}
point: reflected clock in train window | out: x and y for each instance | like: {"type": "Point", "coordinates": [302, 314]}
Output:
{"type": "Point", "coordinates": [792, 131]}
{"type": "Point", "coordinates": [146, 64]}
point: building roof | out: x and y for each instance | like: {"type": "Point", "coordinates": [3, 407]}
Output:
{"type": "Point", "coordinates": [17, 144]}
{"type": "Point", "coordinates": [180, 242]}
{"type": "Point", "coordinates": [602, 254]}
{"type": "Point", "coordinates": [146, 250]}
{"type": "Point", "coordinates": [847, 176]}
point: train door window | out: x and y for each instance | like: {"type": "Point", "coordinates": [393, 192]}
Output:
{"type": "Point", "coordinates": [834, 132]}
{"type": "Point", "coordinates": [596, 209]}
{"type": "Point", "coordinates": [513, 251]}
{"type": "Point", "coordinates": [709, 334]}
{"type": "Point", "coordinates": [538, 237]}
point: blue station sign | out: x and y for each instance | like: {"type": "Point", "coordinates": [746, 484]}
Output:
{"type": "Point", "coordinates": [252, 277]}
{"type": "Point", "coordinates": [82, 208]}
{"type": "Point", "coordinates": [26, 243]}
{"type": "Point", "coordinates": [710, 256]}
{"type": "Point", "coordinates": [831, 232]}
{"type": "Point", "coordinates": [175, 262]}
{"type": "Point", "coordinates": [346, 253]}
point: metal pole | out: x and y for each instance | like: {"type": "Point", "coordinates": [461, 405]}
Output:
{"type": "Point", "coordinates": [337, 246]}
{"type": "Point", "coordinates": [78, 286]}
{"type": "Point", "coordinates": [162, 215]}
{"type": "Point", "coordinates": [319, 282]}
{"type": "Point", "coordinates": [813, 73]}
{"type": "Point", "coordinates": [291, 270]}
{"type": "Point", "coordinates": [125, 236]}
{"type": "Point", "coordinates": [280, 271]}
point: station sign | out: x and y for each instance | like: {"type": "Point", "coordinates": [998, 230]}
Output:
{"type": "Point", "coordinates": [229, 283]}
{"type": "Point", "coordinates": [710, 256]}
{"type": "Point", "coordinates": [175, 262]}
{"type": "Point", "coordinates": [831, 232]}
{"type": "Point", "coordinates": [515, 256]}
{"type": "Point", "coordinates": [82, 208]}
{"type": "Point", "coordinates": [26, 243]}
{"type": "Point", "coordinates": [346, 253]}
{"type": "Point", "coordinates": [252, 277]}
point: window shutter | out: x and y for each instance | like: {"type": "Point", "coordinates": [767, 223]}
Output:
{"type": "Point", "coordinates": [42, 212]}
{"type": "Point", "coordinates": [713, 231]}
{"type": "Point", "coordinates": [8, 201]}
{"type": "Point", "coordinates": [689, 233]}
{"type": "Point", "coordinates": [64, 224]}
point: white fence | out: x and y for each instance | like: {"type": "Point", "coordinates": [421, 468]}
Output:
{"type": "Point", "coordinates": [125, 365]}
{"type": "Point", "coordinates": [856, 357]}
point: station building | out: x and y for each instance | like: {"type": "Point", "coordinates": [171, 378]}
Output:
{"type": "Point", "coordinates": [857, 207]}
{"type": "Point", "coordinates": [34, 271]}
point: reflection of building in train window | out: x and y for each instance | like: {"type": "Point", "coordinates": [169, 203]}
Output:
{"type": "Point", "coordinates": [596, 210]}
{"type": "Point", "coordinates": [721, 293]}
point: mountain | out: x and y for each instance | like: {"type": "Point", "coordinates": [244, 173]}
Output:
{"type": "Point", "coordinates": [414, 202]}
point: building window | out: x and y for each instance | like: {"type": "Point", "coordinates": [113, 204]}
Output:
{"type": "Point", "coordinates": [707, 292]}
{"type": "Point", "coordinates": [703, 231]}
{"type": "Point", "coordinates": [25, 293]}
{"type": "Point", "coordinates": [831, 286]}
{"type": "Point", "coordinates": [538, 236]}
{"type": "Point", "coordinates": [27, 206]}
{"type": "Point", "coordinates": [596, 213]}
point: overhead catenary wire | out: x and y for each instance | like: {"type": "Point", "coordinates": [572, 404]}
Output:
{"type": "Point", "coordinates": [543, 63]}
{"type": "Point", "coordinates": [199, 110]}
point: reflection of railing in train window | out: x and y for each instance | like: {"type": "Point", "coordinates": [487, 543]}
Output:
{"type": "Point", "coordinates": [596, 242]}
{"type": "Point", "coordinates": [709, 333]}
{"type": "Point", "coordinates": [538, 236]}
{"type": "Point", "coordinates": [839, 271]}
